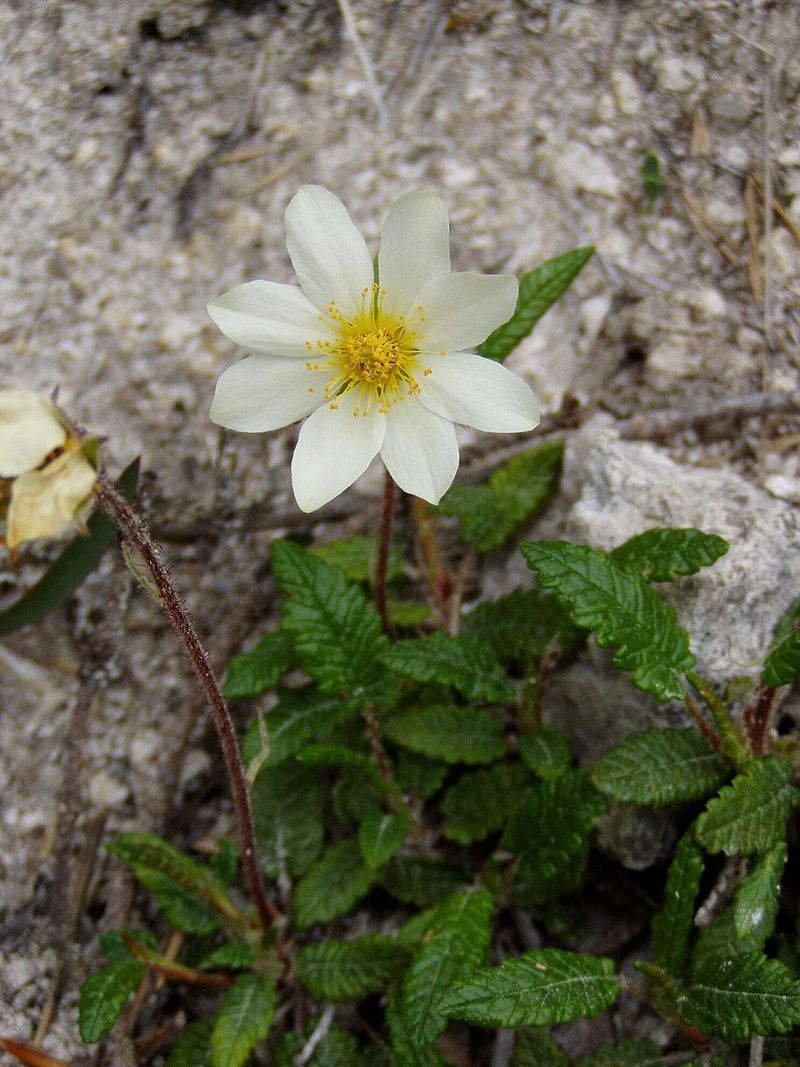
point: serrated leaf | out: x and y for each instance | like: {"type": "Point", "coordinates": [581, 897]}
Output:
{"type": "Point", "coordinates": [782, 664]}
{"type": "Point", "coordinates": [234, 956]}
{"type": "Point", "coordinates": [252, 673]}
{"type": "Point", "coordinates": [112, 942]}
{"type": "Point", "coordinates": [447, 732]}
{"type": "Point", "coordinates": [103, 996]}
{"type": "Point", "coordinates": [244, 1019]}
{"type": "Point", "coordinates": [68, 571]}
{"type": "Point", "coordinates": [192, 1048]}
{"type": "Point", "coordinates": [417, 927]}
{"type": "Point", "coordinates": [625, 1053]}
{"type": "Point", "coordinates": [491, 512]}
{"type": "Point", "coordinates": [335, 1049]}
{"type": "Point", "coordinates": [538, 291]}
{"type": "Point", "coordinates": [225, 861]}
{"type": "Point", "coordinates": [333, 755]}
{"type": "Point", "coordinates": [550, 830]}
{"type": "Point", "coordinates": [354, 794]}
{"type": "Point", "coordinates": [750, 814]}
{"type": "Point", "coordinates": [421, 880]}
{"type": "Point", "coordinates": [458, 661]}
{"type": "Point", "coordinates": [357, 557]}
{"type": "Point", "coordinates": [735, 998]}
{"type": "Point", "coordinates": [548, 754]}
{"type": "Point", "coordinates": [661, 555]}
{"type": "Point", "coordinates": [417, 774]}
{"type": "Point", "coordinates": [661, 767]}
{"type": "Point", "coordinates": [300, 715]}
{"type": "Point", "coordinates": [380, 835]}
{"type": "Point", "coordinates": [756, 904]}
{"type": "Point", "coordinates": [519, 627]}
{"type": "Point", "coordinates": [337, 632]}
{"type": "Point", "coordinates": [405, 1052]}
{"type": "Point", "coordinates": [407, 614]}
{"type": "Point", "coordinates": [672, 925]}
{"type": "Point", "coordinates": [452, 951]}
{"type": "Point", "coordinates": [348, 970]}
{"type": "Point", "coordinates": [539, 988]}
{"type": "Point", "coordinates": [622, 608]}
{"type": "Point", "coordinates": [288, 818]}
{"type": "Point", "coordinates": [536, 1048]}
{"type": "Point", "coordinates": [186, 891]}
{"type": "Point", "coordinates": [719, 941]}
{"type": "Point", "coordinates": [480, 802]}
{"type": "Point", "coordinates": [333, 884]}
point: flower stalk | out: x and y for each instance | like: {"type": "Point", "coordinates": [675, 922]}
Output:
{"type": "Point", "coordinates": [384, 546]}
{"type": "Point", "coordinates": [135, 534]}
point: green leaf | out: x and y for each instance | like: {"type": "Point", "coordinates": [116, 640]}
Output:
{"type": "Point", "coordinates": [333, 884]}
{"type": "Point", "coordinates": [354, 794]}
{"type": "Point", "coordinates": [288, 818]}
{"type": "Point", "coordinates": [407, 614]}
{"type": "Point", "coordinates": [480, 802]}
{"type": "Point", "coordinates": [536, 1048]}
{"type": "Point", "coordinates": [672, 926]}
{"type": "Point", "coordinates": [112, 942]}
{"type": "Point", "coordinates": [225, 862]}
{"type": "Point", "coordinates": [550, 830]}
{"type": "Point", "coordinates": [652, 181]}
{"type": "Point", "coordinates": [299, 715]}
{"type": "Point", "coordinates": [337, 632]}
{"type": "Point", "coordinates": [756, 904]}
{"type": "Point", "coordinates": [415, 929]}
{"type": "Point", "coordinates": [452, 951]}
{"type": "Point", "coordinates": [719, 941]}
{"type": "Point", "coordinates": [661, 767]}
{"type": "Point", "coordinates": [519, 627]}
{"type": "Point", "coordinates": [380, 835]}
{"type": "Point", "coordinates": [458, 661]}
{"type": "Point", "coordinates": [447, 732]}
{"type": "Point", "coordinates": [548, 754]}
{"type": "Point", "coordinates": [735, 998]}
{"type": "Point", "coordinates": [661, 555]}
{"type": "Point", "coordinates": [782, 665]}
{"type": "Point", "coordinates": [625, 1053]}
{"type": "Point", "coordinates": [333, 755]}
{"type": "Point", "coordinates": [243, 1020]}
{"type": "Point", "coordinates": [357, 557]}
{"type": "Point", "coordinates": [186, 891]}
{"type": "Point", "coordinates": [490, 513]}
{"type": "Point", "coordinates": [539, 988]}
{"type": "Point", "coordinates": [538, 291]}
{"type": "Point", "coordinates": [76, 562]}
{"type": "Point", "coordinates": [406, 1053]}
{"type": "Point", "coordinates": [348, 970]}
{"type": "Point", "coordinates": [192, 1047]}
{"type": "Point", "coordinates": [234, 956]}
{"type": "Point", "coordinates": [750, 814]}
{"type": "Point", "coordinates": [421, 880]}
{"type": "Point", "coordinates": [624, 610]}
{"type": "Point", "coordinates": [252, 673]}
{"type": "Point", "coordinates": [416, 774]}
{"type": "Point", "coordinates": [104, 995]}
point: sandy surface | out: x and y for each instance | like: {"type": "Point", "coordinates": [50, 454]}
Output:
{"type": "Point", "coordinates": [147, 152]}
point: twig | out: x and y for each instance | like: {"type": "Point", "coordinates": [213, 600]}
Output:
{"type": "Point", "coordinates": [135, 533]}
{"type": "Point", "coordinates": [767, 163]}
{"type": "Point", "coordinates": [667, 423]}
{"type": "Point", "coordinates": [503, 1048]}
{"type": "Point", "coordinates": [369, 74]}
{"type": "Point", "coordinates": [756, 1057]}
{"type": "Point", "coordinates": [318, 1033]}
{"type": "Point", "coordinates": [384, 546]}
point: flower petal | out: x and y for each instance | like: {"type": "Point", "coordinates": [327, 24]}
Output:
{"type": "Point", "coordinates": [333, 449]}
{"type": "Point", "coordinates": [478, 392]}
{"type": "Point", "coordinates": [329, 255]}
{"type": "Point", "coordinates": [275, 319]}
{"type": "Point", "coordinates": [461, 310]}
{"type": "Point", "coordinates": [45, 502]}
{"type": "Point", "coordinates": [420, 450]}
{"type": "Point", "coordinates": [264, 393]}
{"type": "Point", "coordinates": [415, 247]}
{"type": "Point", "coordinates": [29, 431]}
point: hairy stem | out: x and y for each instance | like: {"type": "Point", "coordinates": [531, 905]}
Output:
{"type": "Point", "coordinates": [136, 534]}
{"type": "Point", "coordinates": [731, 746]}
{"type": "Point", "coordinates": [384, 544]}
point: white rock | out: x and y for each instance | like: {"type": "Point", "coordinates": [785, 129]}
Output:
{"type": "Point", "coordinates": [670, 359]}
{"type": "Point", "coordinates": [105, 792]}
{"type": "Point", "coordinates": [678, 74]}
{"type": "Point", "coordinates": [85, 151]}
{"type": "Point", "coordinates": [626, 91]}
{"type": "Point", "coordinates": [577, 168]}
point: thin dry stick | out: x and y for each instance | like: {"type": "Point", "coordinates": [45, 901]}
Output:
{"type": "Point", "coordinates": [369, 74]}
{"type": "Point", "coordinates": [135, 533]}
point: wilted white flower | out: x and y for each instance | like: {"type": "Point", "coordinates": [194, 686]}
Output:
{"type": "Point", "coordinates": [377, 366]}
{"type": "Point", "coordinates": [48, 477]}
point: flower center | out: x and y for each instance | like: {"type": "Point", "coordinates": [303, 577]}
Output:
{"type": "Point", "coordinates": [373, 353]}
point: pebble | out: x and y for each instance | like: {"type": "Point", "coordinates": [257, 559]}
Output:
{"type": "Point", "coordinates": [105, 792]}
{"type": "Point", "coordinates": [668, 360]}
{"type": "Point", "coordinates": [678, 74]}
{"type": "Point", "coordinates": [85, 151]}
{"type": "Point", "coordinates": [626, 91]}
{"type": "Point", "coordinates": [578, 168]}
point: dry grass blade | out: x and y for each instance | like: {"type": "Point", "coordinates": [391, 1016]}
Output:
{"type": "Point", "coordinates": [29, 1054]}
{"type": "Point", "coordinates": [756, 275]}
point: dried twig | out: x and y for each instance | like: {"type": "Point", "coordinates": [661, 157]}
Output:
{"type": "Point", "coordinates": [366, 65]}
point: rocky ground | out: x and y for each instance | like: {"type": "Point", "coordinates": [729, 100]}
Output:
{"type": "Point", "coordinates": [147, 152]}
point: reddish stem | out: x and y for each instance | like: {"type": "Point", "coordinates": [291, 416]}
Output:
{"type": "Point", "coordinates": [135, 532]}
{"type": "Point", "coordinates": [384, 545]}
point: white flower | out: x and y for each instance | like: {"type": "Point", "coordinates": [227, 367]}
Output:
{"type": "Point", "coordinates": [51, 479]}
{"type": "Point", "coordinates": [373, 367]}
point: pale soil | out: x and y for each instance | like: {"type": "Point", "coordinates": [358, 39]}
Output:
{"type": "Point", "coordinates": [147, 152]}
